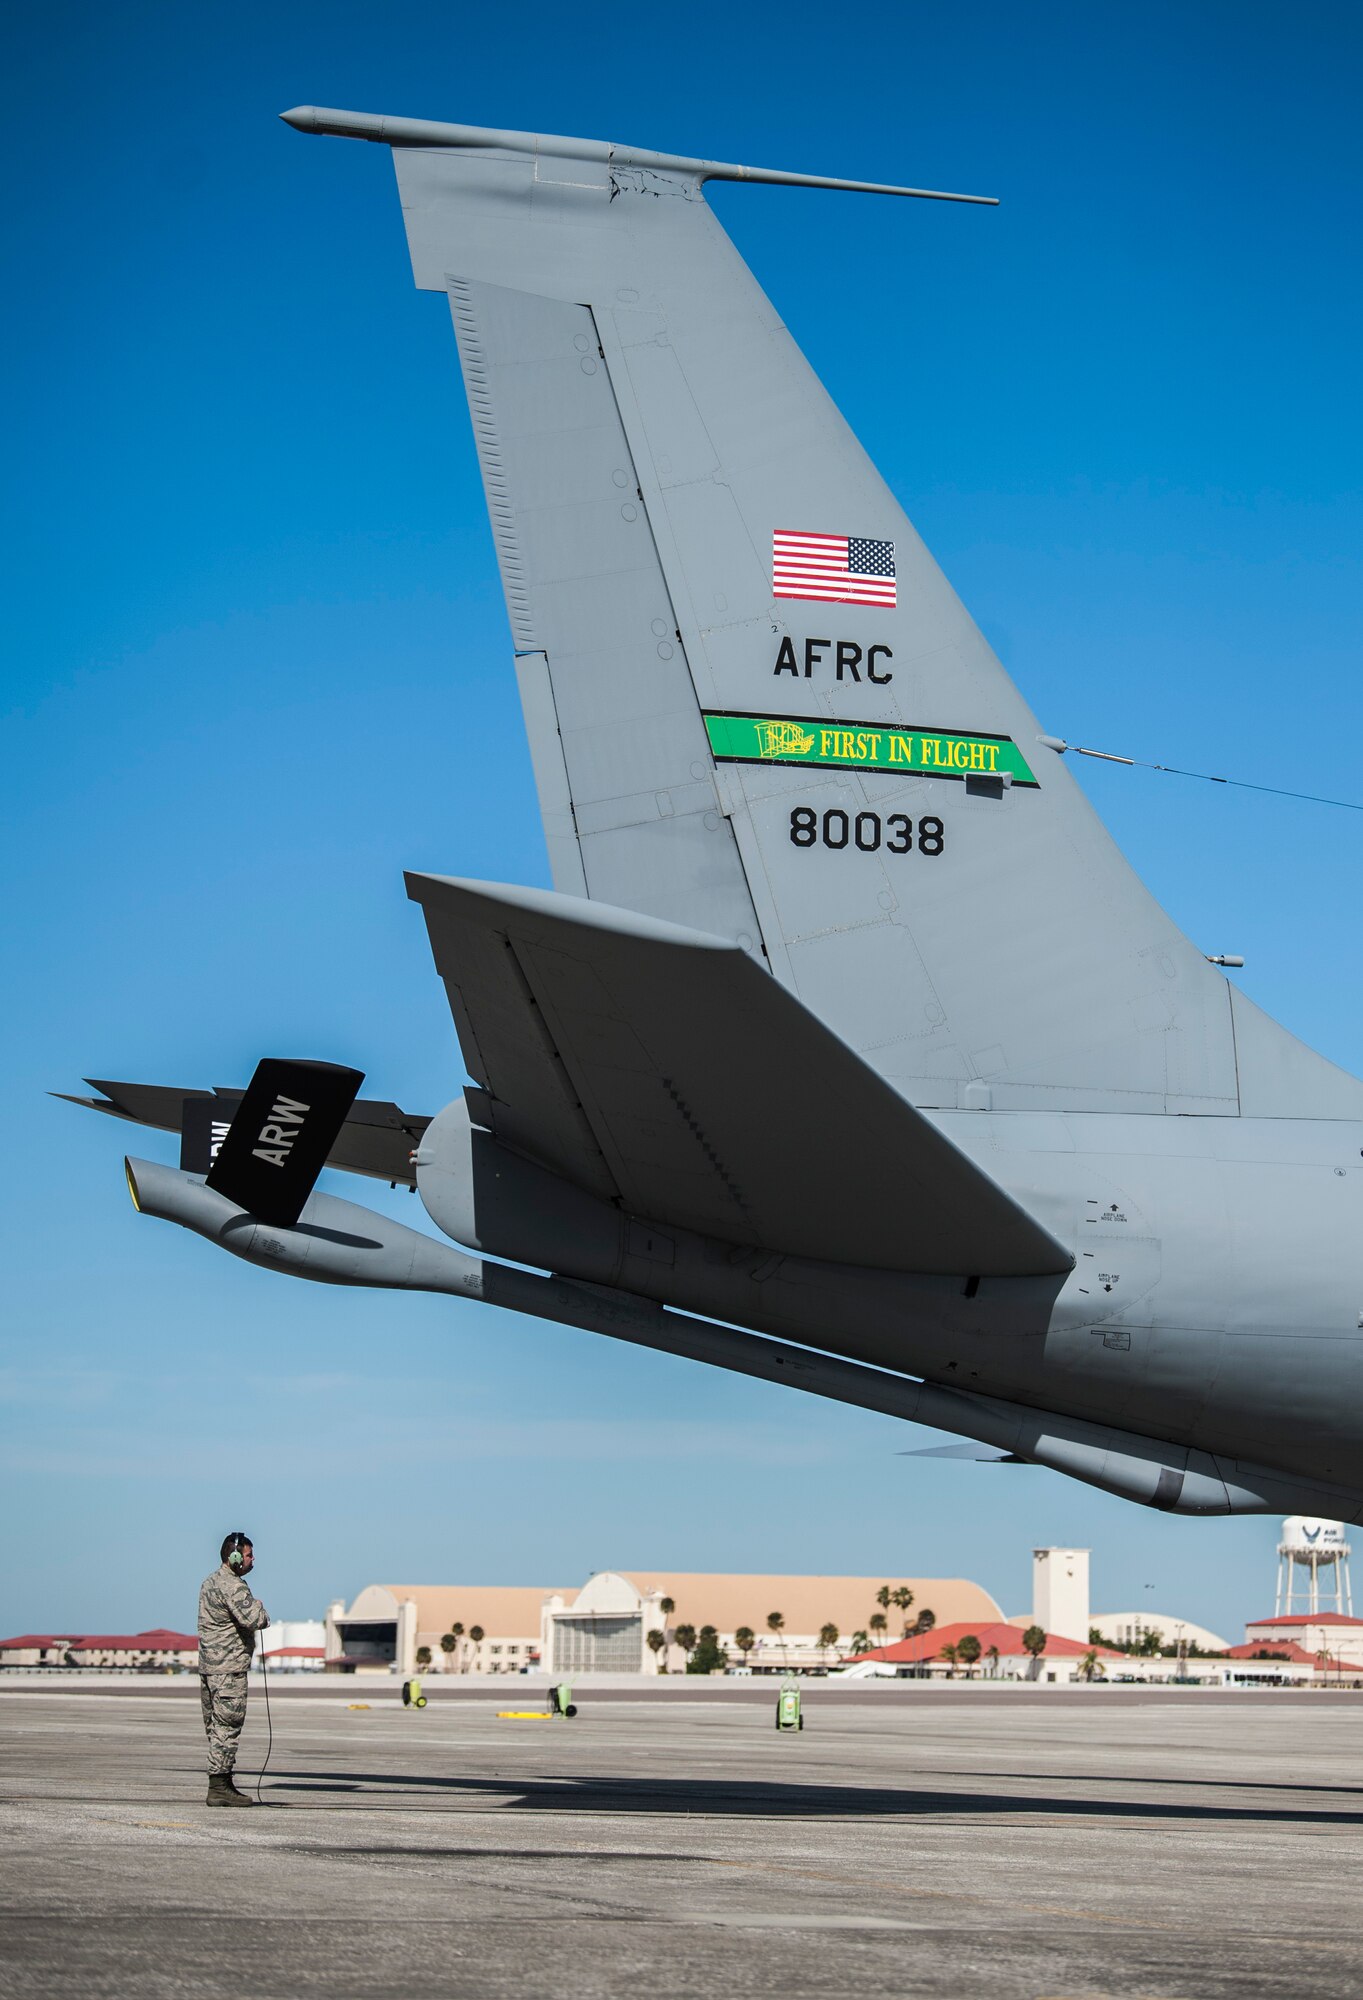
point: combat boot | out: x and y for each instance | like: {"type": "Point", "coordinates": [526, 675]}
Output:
{"type": "Point", "coordinates": [222, 1792]}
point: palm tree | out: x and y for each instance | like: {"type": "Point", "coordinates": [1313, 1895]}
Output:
{"type": "Point", "coordinates": [828, 1638]}
{"type": "Point", "coordinates": [950, 1655]}
{"type": "Point", "coordinates": [457, 1634]}
{"type": "Point", "coordinates": [879, 1624]}
{"type": "Point", "coordinates": [1090, 1665]}
{"type": "Point", "coordinates": [776, 1624]}
{"type": "Point", "coordinates": [902, 1599]}
{"type": "Point", "coordinates": [925, 1621]}
{"type": "Point", "coordinates": [685, 1636]}
{"type": "Point", "coordinates": [885, 1597]}
{"type": "Point", "coordinates": [475, 1639]}
{"type": "Point", "coordinates": [1034, 1642]}
{"type": "Point", "coordinates": [423, 1656]}
{"type": "Point", "coordinates": [447, 1646]}
{"type": "Point", "coordinates": [667, 1606]}
{"type": "Point", "coordinates": [968, 1650]}
{"type": "Point", "coordinates": [709, 1656]}
{"type": "Point", "coordinates": [993, 1658]}
{"type": "Point", "coordinates": [745, 1639]}
{"type": "Point", "coordinates": [656, 1642]}
{"type": "Point", "coordinates": [860, 1642]}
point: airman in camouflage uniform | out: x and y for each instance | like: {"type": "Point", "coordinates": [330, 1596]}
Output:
{"type": "Point", "coordinates": [229, 1618]}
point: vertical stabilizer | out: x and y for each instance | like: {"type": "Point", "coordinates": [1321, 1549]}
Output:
{"type": "Point", "coordinates": [756, 706]}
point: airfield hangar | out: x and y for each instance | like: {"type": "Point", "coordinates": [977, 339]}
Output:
{"type": "Point", "coordinates": [605, 1625]}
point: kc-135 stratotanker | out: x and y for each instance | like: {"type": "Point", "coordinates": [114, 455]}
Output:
{"type": "Point", "coordinates": [847, 1051]}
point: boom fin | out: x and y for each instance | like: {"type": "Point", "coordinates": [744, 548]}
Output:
{"type": "Point", "coordinates": [827, 766]}
{"type": "Point", "coordinates": [377, 1139]}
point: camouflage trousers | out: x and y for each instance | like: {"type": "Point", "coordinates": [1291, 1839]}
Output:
{"type": "Point", "coordinates": [224, 1710]}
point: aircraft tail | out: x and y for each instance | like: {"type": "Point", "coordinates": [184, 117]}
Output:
{"type": "Point", "coordinates": [756, 707]}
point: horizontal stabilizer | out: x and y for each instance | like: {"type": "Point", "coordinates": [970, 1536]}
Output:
{"type": "Point", "coordinates": [382, 129]}
{"type": "Point", "coordinates": [664, 1069]}
{"type": "Point", "coordinates": [377, 1139]}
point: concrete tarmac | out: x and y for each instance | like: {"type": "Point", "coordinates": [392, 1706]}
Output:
{"type": "Point", "coordinates": [910, 1840]}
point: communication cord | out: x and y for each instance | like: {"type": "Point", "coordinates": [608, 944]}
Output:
{"type": "Point", "coordinates": [1207, 777]}
{"type": "Point", "coordinates": [269, 1721]}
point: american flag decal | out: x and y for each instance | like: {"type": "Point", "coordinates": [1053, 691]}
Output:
{"type": "Point", "coordinates": [832, 569]}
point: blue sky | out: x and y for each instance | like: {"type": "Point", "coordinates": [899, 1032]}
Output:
{"type": "Point", "coordinates": [1122, 409]}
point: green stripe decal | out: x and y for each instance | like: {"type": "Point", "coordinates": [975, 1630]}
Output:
{"type": "Point", "coordinates": [864, 746]}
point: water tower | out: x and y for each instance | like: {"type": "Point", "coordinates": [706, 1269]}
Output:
{"type": "Point", "coordinates": [1313, 1568]}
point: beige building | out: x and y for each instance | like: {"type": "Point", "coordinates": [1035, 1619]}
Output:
{"type": "Point", "coordinates": [1128, 1628]}
{"type": "Point", "coordinates": [1322, 1634]}
{"type": "Point", "coordinates": [387, 1624]}
{"type": "Point", "coordinates": [561, 1629]}
{"type": "Point", "coordinates": [605, 1630]}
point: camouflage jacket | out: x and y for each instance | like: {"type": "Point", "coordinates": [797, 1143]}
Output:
{"type": "Point", "coordinates": [229, 1618]}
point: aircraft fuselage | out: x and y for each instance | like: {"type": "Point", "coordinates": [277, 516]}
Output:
{"type": "Point", "coordinates": [1215, 1297]}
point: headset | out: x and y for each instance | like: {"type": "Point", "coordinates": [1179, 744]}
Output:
{"type": "Point", "coordinates": [233, 1551]}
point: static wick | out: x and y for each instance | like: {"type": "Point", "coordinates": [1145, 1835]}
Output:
{"type": "Point", "coordinates": [1060, 746]}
